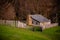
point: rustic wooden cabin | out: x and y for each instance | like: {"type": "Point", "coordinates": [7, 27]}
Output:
{"type": "Point", "coordinates": [37, 20]}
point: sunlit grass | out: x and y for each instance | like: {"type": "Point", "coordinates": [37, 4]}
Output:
{"type": "Point", "coordinates": [13, 33]}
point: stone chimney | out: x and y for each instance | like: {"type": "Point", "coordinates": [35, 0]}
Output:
{"type": "Point", "coordinates": [29, 20]}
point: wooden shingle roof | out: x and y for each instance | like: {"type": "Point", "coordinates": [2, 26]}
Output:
{"type": "Point", "coordinates": [40, 18]}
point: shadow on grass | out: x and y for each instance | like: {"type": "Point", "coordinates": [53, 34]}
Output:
{"type": "Point", "coordinates": [57, 35]}
{"type": "Point", "coordinates": [3, 37]}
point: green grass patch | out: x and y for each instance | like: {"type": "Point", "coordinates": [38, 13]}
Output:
{"type": "Point", "coordinates": [53, 33]}
{"type": "Point", "coordinates": [13, 33]}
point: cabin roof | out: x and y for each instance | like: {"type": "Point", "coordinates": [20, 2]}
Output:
{"type": "Point", "coordinates": [40, 18]}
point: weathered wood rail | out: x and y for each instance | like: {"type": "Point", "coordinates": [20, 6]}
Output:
{"type": "Point", "coordinates": [13, 23]}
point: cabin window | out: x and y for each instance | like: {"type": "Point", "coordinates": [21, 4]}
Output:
{"type": "Point", "coordinates": [35, 22]}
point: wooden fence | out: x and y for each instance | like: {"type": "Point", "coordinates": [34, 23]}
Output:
{"type": "Point", "coordinates": [13, 23]}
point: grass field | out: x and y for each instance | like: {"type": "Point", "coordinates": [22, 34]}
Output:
{"type": "Point", "coordinates": [13, 33]}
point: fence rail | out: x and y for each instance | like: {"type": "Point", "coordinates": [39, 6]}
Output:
{"type": "Point", "coordinates": [13, 23]}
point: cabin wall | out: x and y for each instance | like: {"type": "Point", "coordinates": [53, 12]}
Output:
{"type": "Point", "coordinates": [44, 24]}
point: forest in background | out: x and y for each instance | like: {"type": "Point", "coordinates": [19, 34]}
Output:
{"type": "Point", "coordinates": [19, 9]}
